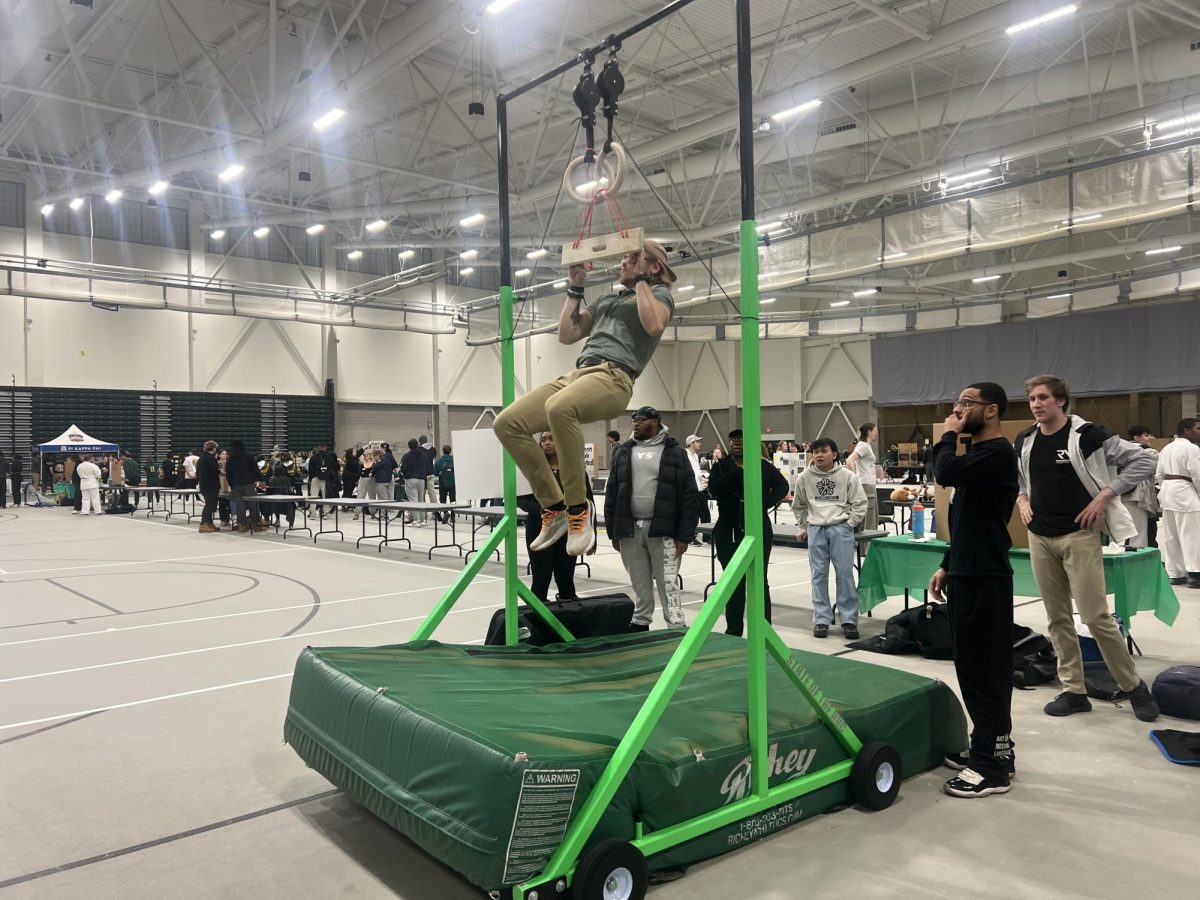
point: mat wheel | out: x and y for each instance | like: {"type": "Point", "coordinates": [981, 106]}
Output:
{"type": "Point", "coordinates": [611, 870]}
{"type": "Point", "coordinates": [875, 776]}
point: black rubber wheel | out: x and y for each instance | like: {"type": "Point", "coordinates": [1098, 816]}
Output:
{"type": "Point", "coordinates": [875, 777]}
{"type": "Point", "coordinates": [611, 870]}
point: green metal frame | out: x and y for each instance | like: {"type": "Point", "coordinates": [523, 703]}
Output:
{"type": "Point", "coordinates": [748, 561]}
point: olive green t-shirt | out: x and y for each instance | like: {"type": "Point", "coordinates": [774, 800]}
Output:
{"type": "Point", "coordinates": [617, 332]}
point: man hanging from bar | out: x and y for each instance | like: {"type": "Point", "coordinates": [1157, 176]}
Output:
{"type": "Point", "coordinates": [622, 330]}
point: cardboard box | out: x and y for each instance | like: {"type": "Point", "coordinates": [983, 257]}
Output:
{"type": "Point", "coordinates": [941, 495]}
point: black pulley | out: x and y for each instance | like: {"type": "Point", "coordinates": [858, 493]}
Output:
{"type": "Point", "coordinates": [586, 97]}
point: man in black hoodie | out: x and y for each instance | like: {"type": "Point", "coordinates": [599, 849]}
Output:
{"type": "Point", "coordinates": [415, 467]}
{"type": "Point", "coordinates": [726, 486]}
{"type": "Point", "coordinates": [241, 471]}
{"type": "Point", "coordinates": [651, 508]}
{"type": "Point", "coordinates": [208, 480]}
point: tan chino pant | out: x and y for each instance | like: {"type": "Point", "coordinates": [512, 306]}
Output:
{"type": "Point", "coordinates": [1072, 565]}
{"type": "Point", "coordinates": [592, 394]}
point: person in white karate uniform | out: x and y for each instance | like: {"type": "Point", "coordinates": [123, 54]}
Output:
{"type": "Point", "coordinates": [1179, 533]}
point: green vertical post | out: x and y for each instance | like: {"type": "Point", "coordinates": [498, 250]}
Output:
{"type": "Point", "coordinates": [508, 394]}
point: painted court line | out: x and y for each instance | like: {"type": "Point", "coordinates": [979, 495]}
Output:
{"type": "Point", "coordinates": [100, 709]}
{"type": "Point", "coordinates": [233, 615]}
{"type": "Point", "coordinates": [288, 637]}
{"type": "Point", "coordinates": [148, 562]}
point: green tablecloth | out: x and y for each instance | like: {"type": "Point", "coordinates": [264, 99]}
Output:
{"type": "Point", "coordinates": [895, 564]}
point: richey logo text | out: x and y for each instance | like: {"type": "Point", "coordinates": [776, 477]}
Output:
{"type": "Point", "coordinates": [737, 783]}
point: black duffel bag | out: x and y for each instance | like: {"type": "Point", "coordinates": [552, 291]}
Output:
{"type": "Point", "coordinates": [1177, 692]}
{"type": "Point", "coordinates": [586, 617]}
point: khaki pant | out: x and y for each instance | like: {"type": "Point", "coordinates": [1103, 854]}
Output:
{"type": "Point", "coordinates": [1073, 565]}
{"type": "Point", "coordinates": [592, 394]}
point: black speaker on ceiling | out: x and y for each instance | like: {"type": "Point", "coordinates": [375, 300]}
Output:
{"type": "Point", "coordinates": [304, 176]}
{"type": "Point", "coordinates": [475, 108]}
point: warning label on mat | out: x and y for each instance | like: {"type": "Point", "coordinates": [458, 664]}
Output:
{"type": "Point", "coordinates": [543, 812]}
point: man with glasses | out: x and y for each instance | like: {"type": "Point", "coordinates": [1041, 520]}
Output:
{"type": "Point", "coordinates": [1072, 473]}
{"type": "Point", "coordinates": [622, 331]}
{"type": "Point", "coordinates": [976, 579]}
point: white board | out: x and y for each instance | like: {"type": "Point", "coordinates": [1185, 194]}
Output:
{"type": "Point", "coordinates": [479, 465]}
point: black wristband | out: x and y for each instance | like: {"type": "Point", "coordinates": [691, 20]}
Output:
{"type": "Point", "coordinates": [575, 292]}
{"type": "Point", "coordinates": [640, 278]}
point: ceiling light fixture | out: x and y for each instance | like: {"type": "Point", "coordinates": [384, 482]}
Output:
{"type": "Point", "coordinates": [47, 209]}
{"type": "Point", "coordinates": [216, 235]}
{"type": "Point", "coordinates": [232, 172]}
{"type": "Point", "coordinates": [837, 303]}
{"type": "Point", "coordinates": [1069, 9]}
{"type": "Point", "coordinates": [768, 300]}
{"type": "Point", "coordinates": [473, 219]}
{"type": "Point", "coordinates": [769, 226]}
{"type": "Point", "coordinates": [354, 254]}
{"type": "Point", "coordinates": [262, 232]}
{"type": "Point", "coordinates": [537, 254]}
{"type": "Point", "coordinates": [1173, 135]}
{"type": "Point", "coordinates": [685, 289]}
{"type": "Point", "coordinates": [328, 119]}
{"type": "Point", "coordinates": [796, 110]}
{"type": "Point", "coordinates": [76, 202]}
{"type": "Point", "coordinates": [314, 229]}
{"type": "Point", "coordinates": [468, 254]}
{"type": "Point", "coordinates": [1058, 296]}
{"type": "Point", "coordinates": [377, 225]}
{"type": "Point", "coordinates": [499, 6]}
{"type": "Point", "coordinates": [559, 284]}
{"type": "Point", "coordinates": [407, 254]}
{"type": "Point", "coordinates": [983, 279]}
{"type": "Point", "coordinates": [951, 179]}
{"type": "Point", "coordinates": [114, 195]}
{"type": "Point", "coordinates": [1076, 220]}
{"type": "Point", "coordinates": [865, 292]}
{"type": "Point", "coordinates": [158, 187]}
{"type": "Point", "coordinates": [463, 273]}
{"type": "Point", "coordinates": [1175, 123]}
{"type": "Point", "coordinates": [521, 273]}
{"type": "Point", "coordinates": [1174, 248]}
{"type": "Point", "coordinates": [887, 257]}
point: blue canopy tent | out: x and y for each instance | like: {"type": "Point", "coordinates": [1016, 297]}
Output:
{"type": "Point", "coordinates": [73, 440]}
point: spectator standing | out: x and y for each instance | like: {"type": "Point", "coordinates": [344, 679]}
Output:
{"type": "Point", "coordinates": [133, 475]}
{"type": "Point", "coordinates": [444, 470]}
{"type": "Point", "coordinates": [829, 503]}
{"type": "Point", "coordinates": [551, 562]}
{"type": "Point", "coordinates": [16, 468]}
{"type": "Point", "coordinates": [700, 471]}
{"type": "Point", "coordinates": [168, 478]}
{"type": "Point", "coordinates": [1179, 470]}
{"type": "Point", "coordinates": [1068, 480]}
{"type": "Point", "coordinates": [351, 472]}
{"type": "Point", "coordinates": [975, 579]}
{"type": "Point", "coordinates": [366, 482]}
{"type": "Point", "coordinates": [861, 462]}
{"type": "Point", "coordinates": [431, 494]}
{"type": "Point", "coordinates": [77, 483]}
{"type": "Point", "coordinates": [651, 507]}
{"type": "Point", "coordinates": [89, 484]}
{"type": "Point", "coordinates": [242, 471]}
{"type": "Point", "coordinates": [1142, 499]}
{"type": "Point", "coordinates": [208, 481]}
{"type": "Point", "coordinates": [415, 468]}
{"type": "Point", "coordinates": [726, 484]}
{"type": "Point", "coordinates": [190, 479]}
{"type": "Point", "coordinates": [4, 481]}
{"type": "Point", "coordinates": [323, 474]}
{"type": "Point", "coordinates": [384, 471]}
{"type": "Point", "coordinates": [281, 483]}
{"type": "Point", "coordinates": [116, 478]}
{"type": "Point", "coordinates": [224, 495]}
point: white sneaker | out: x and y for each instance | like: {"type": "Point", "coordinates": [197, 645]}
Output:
{"type": "Point", "coordinates": [581, 532]}
{"type": "Point", "coordinates": [554, 526]}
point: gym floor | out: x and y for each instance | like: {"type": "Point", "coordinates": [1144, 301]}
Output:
{"type": "Point", "coordinates": [144, 673]}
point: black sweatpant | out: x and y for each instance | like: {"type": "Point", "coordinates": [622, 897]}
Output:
{"type": "Point", "coordinates": [981, 617]}
{"type": "Point", "coordinates": [726, 536]}
{"type": "Point", "coordinates": [210, 505]}
{"type": "Point", "coordinates": [551, 562]}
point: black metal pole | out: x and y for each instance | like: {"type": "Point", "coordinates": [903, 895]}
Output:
{"type": "Point", "coordinates": [745, 110]}
{"type": "Point", "coordinates": [669, 9]}
{"type": "Point", "coordinates": [502, 176]}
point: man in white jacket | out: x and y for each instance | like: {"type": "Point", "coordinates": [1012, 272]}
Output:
{"type": "Point", "coordinates": [1179, 497]}
{"type": "Point", "coordinates": [1069, 491]}
{"type": "Point", "coordinates": [89, 485]}
{"type": "Point", "coordinates": [829, 503]}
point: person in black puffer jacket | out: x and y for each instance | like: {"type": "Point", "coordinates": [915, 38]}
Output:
{"type": "Point", "coordinates": [241, 471]}
{"type": "Point", "coordinates": [651, 508]}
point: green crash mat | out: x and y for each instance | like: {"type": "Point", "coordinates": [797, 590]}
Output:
{"type": "Point", "coordinates": [481, 755]}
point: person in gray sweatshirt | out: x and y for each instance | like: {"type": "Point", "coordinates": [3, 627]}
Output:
{"type": "Point", "coordinates": [651, 507]}
{"type": "Point", "coordinates": [830, 504]}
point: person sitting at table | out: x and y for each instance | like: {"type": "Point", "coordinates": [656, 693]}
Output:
{"type": "Point", "coordinates": [830, 503]}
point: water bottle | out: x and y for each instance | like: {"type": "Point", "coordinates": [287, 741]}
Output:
{"type": "Point", "coordinates": [918, 520]}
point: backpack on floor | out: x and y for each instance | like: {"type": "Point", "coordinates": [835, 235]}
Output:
{"type": "Point", "coordinates": [1177, 691]}
{"type": "Point", "coordinates": [1034, 661]}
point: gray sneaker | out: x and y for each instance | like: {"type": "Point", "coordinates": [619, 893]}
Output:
{"type": "Point", "coordinates": [581, 531]}
{"type": "Point", "coordinates": [1142, 702]}
{"type": "Point", "coordinates": [1066, 704]}
{"type": "Point", "coordinates": [554, 526]}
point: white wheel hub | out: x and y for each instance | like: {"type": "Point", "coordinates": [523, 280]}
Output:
{"type": "Point", "coordinates": [618, 885]}
{"type": "Point", "coordinates": [885, 777]}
